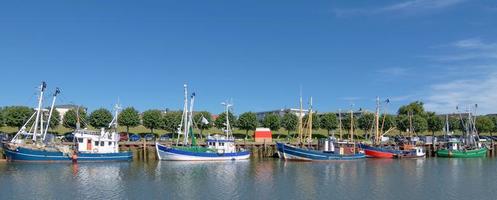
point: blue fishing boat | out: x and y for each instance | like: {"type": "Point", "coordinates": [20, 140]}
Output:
{"type": "Point", "coordinates": [290, 152]}
{"type": "Point", "coordinates": [333, 150]}
{"type": "Point", "coordinates": [31, 144]}
{"type": "Point", "coordinates": [219, 147]}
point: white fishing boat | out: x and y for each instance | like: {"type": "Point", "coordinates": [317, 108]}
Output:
{"type": "Point", "coordinates": [219, 147]}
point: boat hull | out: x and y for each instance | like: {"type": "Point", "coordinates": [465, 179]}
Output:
{"type": "Point", "coordinates": [35, 155]}
{"type": "Point", "coordinates": [289, 152]}
{"type": "Point", "coordinates": [377, 152]}
{"type": "Point", "coordinates": [477, 153]}
{"type": "Point", "coordinates": [175, 154]}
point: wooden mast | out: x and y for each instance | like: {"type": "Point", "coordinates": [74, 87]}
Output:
{"type": "Point", "coordinates": [377, 122]}
{"type": "Point", "coordinates": [309, 123]}
{"type": "Point", "coordinates": [300, 119]}
{"type": "Point", "coordinates": [340, 123]}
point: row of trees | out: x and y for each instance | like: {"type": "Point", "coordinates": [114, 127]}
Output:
{"type": "Point", "coordinates": [410, 118]}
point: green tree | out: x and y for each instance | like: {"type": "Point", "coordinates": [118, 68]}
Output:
{"type": "Point", "coordinates": [171, 121]}
{"type": "Point", "coordinates": [387, 121]}
{"type": "Point", "coordinates": [2, 118]}
{"type": "Point", "coordinates": [329, 122]}
{"type": "Point", "coordinates": [272, 121]}
{"type": "Point", "coordinates": [197, 117]}
{"type": "Point", "coordinates": [435, 123]}
{"type": "Point", "coordinates": [129, 117]}
{"type": "Point", "coordinates": [100, 118]}
{"type": "Point", "coordinates": [455, 123]}
{"type": "Point", "coordinates": [16, 116]}
{"type": "Point", "coordinates": [484, 124]}
{"type": "Point", "coordinates": [70, 118]}
{"type": "Point", "coordinates": [315, 120]}
{"type": "Point", "coordinates": [220, 121]}
{"type": "Point", "coordinates": [152, 119]}
{"type": "Point", "coordinates": [248, 122]}
{"type": "Point", "coordinates": [289, 122]}
{"type": "Point", "coordinates": [54, 120]}
{"type": "Point", "coordinates": [346, 122]}
{"type": "Point", "coordinates": [366, 121]}
{"type": "Point", "coordinates": [419, 124]}
{"type": "Point", "coordinates": [414, 108]}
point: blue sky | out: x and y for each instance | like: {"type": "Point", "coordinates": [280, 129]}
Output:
{"type": "Point", "coordinates": [257, 53]}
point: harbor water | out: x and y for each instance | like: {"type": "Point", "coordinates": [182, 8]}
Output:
{"type": "Point", "coordinates": [430, 178]}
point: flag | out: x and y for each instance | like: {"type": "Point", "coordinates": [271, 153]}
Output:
{"type": "Point", "coordinates": [204, 121]}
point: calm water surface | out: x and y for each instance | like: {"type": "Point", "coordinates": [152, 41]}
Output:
{"type": "Point", "coordinates": [429, 178]}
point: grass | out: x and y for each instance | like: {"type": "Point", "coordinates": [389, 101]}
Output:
{"type": "Point", "coordinates": [278, 135]}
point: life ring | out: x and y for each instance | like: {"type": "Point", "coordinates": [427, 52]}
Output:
{"type": "Point", "coordinates": [95, 150]}
{"type": "Point", "coordinates": [220, 152]}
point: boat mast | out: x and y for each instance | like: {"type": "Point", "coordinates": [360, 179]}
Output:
{"type": "Point", "coordinates": [228, 126]}
{"type": "Point", "coordinates": [351, 126]}
{"type": "Point", "coordinates": [185, 116]}
{"type": "Point", "coordinates": [340, 122]}
{"type": "Point", "coordinates": [190, 119]}
{"type": "Point", "coordinates": [38, 110]}
{"type": "Point", "coordinates": [309, 123]}
{"type": "Point", "coordinates": [377, 122]}
{"type": "Point", "coordinates": [57, 91]}
{"type": "Point", "coordinates": [300, 118]}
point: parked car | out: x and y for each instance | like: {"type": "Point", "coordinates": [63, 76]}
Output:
{"type": "Point", "coordinates": [165, 137]}
{"type": "Point", "coordinates": [4, 136]}
{"type": "Point", "coordinates": [134, 137]}
{"type": "Point", "coordinates": [68, 137]}
{"type": "Point", "coordinates": [123, 137]}
{"type": "Point", "coordinates": [149, 137]}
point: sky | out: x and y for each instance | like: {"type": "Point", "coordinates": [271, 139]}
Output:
{"type": "Point", "coordinates": [256, 54]}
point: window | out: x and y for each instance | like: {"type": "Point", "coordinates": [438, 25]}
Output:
{"type": "Point", "coordinates": [80, 140]}
{"type": "Point", "coordinates": [96, 143]}
{"type": "Point", "coordinates": [110, 143]}
{"type": "Point", "coordinates": [102, 144]}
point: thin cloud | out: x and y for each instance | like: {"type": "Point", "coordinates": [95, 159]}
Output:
{"type": "Point", "coordinates": [445, 97]}
{"type": "Point", "coordinates": [474, 78]}
{"type": "Point", "coordinates": [469, 49]}
{"type": "Point", "coordinates": [406, 7]}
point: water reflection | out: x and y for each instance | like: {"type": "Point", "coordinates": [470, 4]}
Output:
{"type": "Point", "coordinates": [255, 179]}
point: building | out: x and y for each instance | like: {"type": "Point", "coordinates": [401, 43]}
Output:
{"type": "Point", "coordinates": [281, 112]}
{"type": "Point", "coordinates": [62, 109]}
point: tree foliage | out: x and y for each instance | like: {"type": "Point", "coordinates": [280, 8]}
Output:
{"type": "Point", "coordinates": [366, 121]}
{"type": "Point", "coordinates": [197, 117]}
{"type": "Point", "coordinates": [329, 122]}
{"type": "Point", "coordinates": [100, 118]}
{"type": "Point", "coordinates": [316, 124]}
{"type": "Point", "coordinates": [435, 123]}
{"type": "Point", "coordinates": [171, 121]}
{"type": "Point", "coordinates": [387, 122]}
{"type": "Point", "coordinates": [16, 116]}
{"type": "Point", "coordinates": [289, 122]}
{"type": "Point", "coordinates": [220, 121]}
{"type": "Point", "coordinates": [247, 121]}
{"type": "Point", "coordinates": [414, 108]}
{"type": "Point", "coordinates": [152, 119]}
{"type": "Point", "coordinates": [54, 120]}
{"type": "Point", "coordinates": [2, 118]}
{"type": "Point", "coordinates": [70, 118]}
{"type": "Point", "coordinates": [272, 121]}
{"type": "Point", "coordinates": [419, 124]}
{"type": "Point", "coordinates": [484, 124]}
{"type": "Point", "coordinates": [129, 117]}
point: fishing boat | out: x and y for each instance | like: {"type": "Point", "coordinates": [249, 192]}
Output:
{"type": "Point", "coordinates": [30, 145]}
{"type": "Point", "coordinates": [469, 145]}
{"type": "Point", "coordinates": [408, 148]}
{"type": "Point", "coordinates": [220, 147]}
{"type": "Point", "coordinates": [332, 149]}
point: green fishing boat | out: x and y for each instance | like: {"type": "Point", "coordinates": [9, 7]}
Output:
{"type": "Point", "coordinates": [454, 152]}
{"type": "Point", "coordinates": [469, 145]}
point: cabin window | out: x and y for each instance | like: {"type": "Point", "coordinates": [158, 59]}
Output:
{"type": "Point", "coordinates": [102, 144]}
{"type": "Point", "coordinates": [110, 143]}
{"type": "Point", "coordinates": [80, 140]}
{"type": "Point", "coordinates": [96, 143]}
